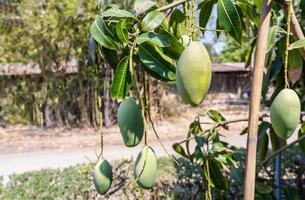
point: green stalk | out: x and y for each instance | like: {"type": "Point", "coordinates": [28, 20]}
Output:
{"type": "Point", "coordinates": [287, 44]}
{"type": "Point", "coordinates": [172, 5]}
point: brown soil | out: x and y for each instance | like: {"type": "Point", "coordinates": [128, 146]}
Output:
{"type": "Point", "coordinates": [20, 138]}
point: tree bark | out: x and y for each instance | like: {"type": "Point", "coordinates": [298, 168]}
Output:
{"type": "Point", "coordinates": [256, 90]}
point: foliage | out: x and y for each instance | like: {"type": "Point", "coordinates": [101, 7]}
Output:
{"type": "Point", "coordinates": [174, 181]}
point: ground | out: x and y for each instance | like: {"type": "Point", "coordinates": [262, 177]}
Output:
{"type": "Point", "coordinates": [20, 138]}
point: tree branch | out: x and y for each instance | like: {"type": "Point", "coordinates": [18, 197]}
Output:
{"type": "Point", "coordinates": [172, 5]}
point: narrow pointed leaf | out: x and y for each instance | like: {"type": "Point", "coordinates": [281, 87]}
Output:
{"type": "Point", "coordinates": [117, 13]}
{"type": "Point", "coordinates": [229, 19]}
{"type": "Point", "coordinates": [154, 38]}
{"type": "Point", "coordinates": [152, 20]}
{"type": "Point", "coordinates": [297, 44]}
{"type": "Point", "coordinates": [142, 6]}
{"type": "Point", "coordinates": [121, 30]}
{"type": "Point", "coordinates": [177, 23]}
{"type": "Point", "coordinates": [179, 149]}
{"type": "Point", "coordinates": [119, 85]}
{"type": "Point", "coordinates": [102, 35]}
{"type": "Point", "coordinates": [206, 8]}
{"type": "Point", "coordinates": [271, 37]}
{"type": "Point", "coordinates": [155, 64]}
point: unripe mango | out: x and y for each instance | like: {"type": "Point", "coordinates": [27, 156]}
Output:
{"type": "Point", "coordinates": [193, 73]}
{"type": "Point", "coordinates": [102, 176]}
{"type": "Point", "coordinates": [130, 122]}
{"type": "Point", "coordinates": [285, 113]}
{"type": "Point", "coordinates": [146, 168]}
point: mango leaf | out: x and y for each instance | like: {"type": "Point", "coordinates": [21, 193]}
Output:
{"type": "Point", "coordinates": [154, 38]}
{"type": "Point", "coordinates": [195, 128]}
{"type": "Point", "coordinates": [179, 149]}
{"type": "Point", "coordinates": [249, 10]}
{"type": "Point", "coordinates": [119, 86]}
{"type": "Point", "coordinates": [216, 117]}
{"type": "Point", "coordinates": [155, 64]}
{"type": "Point", "coordinates": [297, 44]}
{"type": "Point", "coordinates": [121, 30]}
{"type": "Point", "coordinates": [295, 59]}
{"type": "Point", "coordinates": [245, 131]}
{"type": "Point", "coordinates": [276, 142]}
{"type": "Point", "coordinates": [152, 20]}
{"type": "Point", "coordinates": [206, 8]}
{"type": "Point", "coordinates": [111, 57]}
{"type": "Point", "coordinates": [218, 147]}
{"type": "Point", "coordinates": [177, 23]}
{"type": "Point", "coordinates": [236, 174]}
{"type": "Point", "coordinates": [176, 47]}
{"type": "Point", "coordinates": [117, 13]}
{"type": "Point", "coordinates": [200, 140]}
{"type": "Point", "coordinates": [102, 35]}
{"type": "Point", "coordinates": [142, 6]}
{"type": "Point", "coordinates": [271, 37]}
{"type": "Point", "coordinates": [217, 178]}
{"type": "Point", "coordinates": [229, 19]}
{"type": "Point", "coordinates": [263, 140]}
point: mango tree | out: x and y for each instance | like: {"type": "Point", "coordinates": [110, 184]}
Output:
{"type": "Point", "coordinates": [163, 42]}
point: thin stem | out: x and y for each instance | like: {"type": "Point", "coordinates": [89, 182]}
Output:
{"type": "Point", "coordinates": [285, 147]}
{"type": "Point", "coordinates": [137, 90]}
{"type": "Point", "coordinates": [172, 5]}
{"type": "Point", "coordinates": [219, 124]}
{"type": "Point", "coordinates": [193, 20]}
{"type": "Point", "coordinates": [287, 44]}
{"type": "Point", "coordinates": [213, 30]}
{"type": "Point", "coordinates": [101, 125]}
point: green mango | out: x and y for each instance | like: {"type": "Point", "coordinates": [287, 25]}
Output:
{"type": "Point", "coordinates": [285, 113]}
{"type": "Point", "coordinates": [193, 73]}
{"type": "Point", "coordinates": [130, 122]}
{"type": "Point", "coordinates": [146, 168]}
{"type": "Point", "coordinates": [102, 176]}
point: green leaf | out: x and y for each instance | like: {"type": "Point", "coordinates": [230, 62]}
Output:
{"type": "Point", "coordinates": [154, 38]}
{"type": "Point", "coordinates": [218, 147]}
{"type": "Point", "coordinates": [262, 143]}
{"type": "Point", "coordinates": [121, 30]}
{"type": "Point", "coordinates": [177, 23]}
{"type": "Point", "coordinates": [119, 86]}
{"type": "Point", "coordinates": [102, 35]}
{"type": "Point", "coordinates": [176, 47]}
{"type": "Point", "coordinates": [155, 64]}
{"type": "Point", "coordinates": [245, 131]}
{"type": "Point", "coordinates": [229, 19]}
{"type": "Point", "coordinates": [117, 13]}
{"type": "Point", "coordinates": [217, 178]}
{"type": "Point", "coordinates": [179, 149]}
{"type": "Point", "coordinates": [237, 175]}
{"type": "Point", "coordinates": [200, 140]}
{"type": "Point", "coordinates": [152, 20]}
{"type": "Point", "coordinates": [195, 128]}
{"type": "Point", "coordinates": [206, 8]}
{"type": "Point", "coordinates": [276, 142]}
{"type": "Point", "coordinates": [215, 116]}
{"type": "Point", "coordinates": [295, 59]}
{"type": "Point", "coordinates": [297, 44]}
{"type": "Point", "coordinates": [142, 6]}
{"type": "Point", "coordinates": [111, 57]}
{"type": "Point", "coordinates": [271, 37]}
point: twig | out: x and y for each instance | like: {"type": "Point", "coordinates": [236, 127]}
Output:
{"type": "Point", "coordinates": [172, 5]}
{"type": "Point", "coordinates": [213, 30]}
